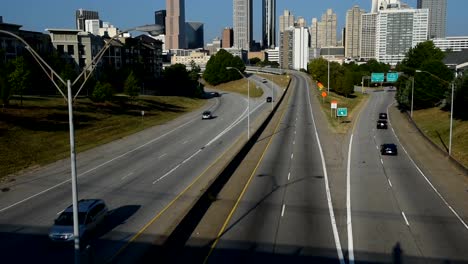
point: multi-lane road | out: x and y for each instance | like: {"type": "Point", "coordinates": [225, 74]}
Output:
{"type": "Point", "coordinates": [301, 205]}
{"type": "Point", "coordinates": [137, 176]}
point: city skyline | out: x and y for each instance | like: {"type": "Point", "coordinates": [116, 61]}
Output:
{"type": "Point", "coordinates": [124, 15]}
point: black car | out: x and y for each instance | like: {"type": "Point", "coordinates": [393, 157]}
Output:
{"type": "Point", "coordinates": [207, 115]}
{"type": "Point", "coordinates": [269, 99]}
{"type": "Point", "coordinates": [215, 94]}
{"type": "Point", "coordinates": [383, 116]}
{"type": "Point", "coordinates": [382, 124]}
{"type": "Point", "coordinates": [388, 149]}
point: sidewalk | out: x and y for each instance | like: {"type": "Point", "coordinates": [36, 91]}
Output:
{"type": "Point", "coordinates": [449, 178]}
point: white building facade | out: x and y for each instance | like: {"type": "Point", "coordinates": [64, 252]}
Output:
{"type": "Point", "coordinates": [398, 30]}
{"type": "Point", "coordinates": [451, 43]}
{"type": "Point", "coordinates": [301, 48]}
{"type": "Point", "coordinates": [242, 20]}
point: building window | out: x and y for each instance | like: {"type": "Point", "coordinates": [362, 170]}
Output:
{"type": "Point", "coordinates": [60, 49]}
{"type": "Point", "coordinates": [71, 50]}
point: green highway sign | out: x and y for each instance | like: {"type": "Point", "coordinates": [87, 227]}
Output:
{"type": "Point", "coordinates": [342, 111]}
{"type": "Point", "coordinates": [377, 77]}
{"type": "Point", "coordinates": [392, 76]}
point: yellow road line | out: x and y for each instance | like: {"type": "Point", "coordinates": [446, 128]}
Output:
{"type": "Point", "coordinates": [170, 204]}
{"type": "Point", "coordinates": [228, 219]}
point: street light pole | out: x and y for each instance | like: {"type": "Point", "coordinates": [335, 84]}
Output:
{"type": "Point", "coordinates": [412, 96]}
{"type": "Point", "coordinates": [248, 99]}
{"type": "Point", "coordinates": [451, 122]}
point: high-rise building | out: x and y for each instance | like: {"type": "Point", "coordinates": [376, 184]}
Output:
{"type": "Point", "coordinates": [286, 21]}
{"type": "Point", "coordinates": [175, 24]}
{"type": "Point", "coordinates": [286, 48]}
{"type": "Point", "coordinates": [314, 34]}
{"type": "Point", "coordinates": [398, 30]}
{"type": "Point", "coordinates": [160, 19]}
{"type": "Point", "coordinates": [368, 35]}
{"type": "Point", "coordinates": [194, 35]}
{"type": "Point", "coordinates": [326, 35]}
{"type": "Point", "coordinates": [228, 35]}
{"type": "Point", "coordinates": [92, 26]}
{"type": "Point", "coordinates": [437, 16]}
{"type": "Point", "coordinates": [269, 24]}
{"type": "Point", "coordinates": [300, 22]}
{"type": "Point", "coordinates": [380, 5]}
{"type": "Point", "coordinates": [83, 15]}
{"type": "Point", "coordinates": [243, 23]}
{"type": "Point", "coordinates": [301, 48]}
{"type": "Point", "coordinates": [353, 32]}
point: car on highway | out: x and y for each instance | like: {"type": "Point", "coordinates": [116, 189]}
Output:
{"type": "Point", "coordinates": [269, 99]}
{"type": "Point", "coordinates": [382, 124]}
{"type": "Point", "coordinates": [383, 116]}
{"type": "Point", "coordinates": [215, 94]}
{"type": "Point", "coordinates": [264, 80]}
{"type": "Point", "coordinates": [91, 214]}
{"type": "Point", "coordinates": [388, 149]}
{"type": "Point", "coordinates": [207, 115]}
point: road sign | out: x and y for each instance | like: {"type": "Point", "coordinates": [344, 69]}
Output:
{"type": "Point", "coordinates": [377, 77]}
{"type": "Point", "coordinates": [324, 94]}
{"type": "Point", "coordinates": [392, 76]}
{"type": "Point", "coordinates": [342, 111]}
{"type": "Point", "coordinates": [334, 104]}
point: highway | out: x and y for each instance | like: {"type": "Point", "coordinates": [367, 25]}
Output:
{"type": "Point", "coordinates": [285, 216]}
{"type": "Point", "coordinates": [396, 214]}
{"type": "Point", "coordinates": [137, 176]}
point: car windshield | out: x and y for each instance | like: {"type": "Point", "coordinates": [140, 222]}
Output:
{"type": "Point", "coordinates": [66, 219]}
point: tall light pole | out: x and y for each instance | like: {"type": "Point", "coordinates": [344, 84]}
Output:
{"type": "Point", "coordinates": [248, 98]}
{"type": "Point", "coordinates": [54, 77]}
{"type": "Point", "coordinates": [451, 105]}
{"type": "Point", "coordinates": [412, 95]}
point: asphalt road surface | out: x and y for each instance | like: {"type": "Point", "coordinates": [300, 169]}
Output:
{"type": "Point", "coordinates": [137, 176]}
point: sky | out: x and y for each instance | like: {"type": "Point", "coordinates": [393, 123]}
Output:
{"type": "Point", "coordinates": [37, 15]}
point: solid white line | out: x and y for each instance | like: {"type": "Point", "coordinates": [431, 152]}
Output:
{"type": "Point", "coordinates": [282, 210]}
{"type": "Point", "coordinates": [432, 186]}
{"type": "Point", "coordinates": [289, 176]}
{"type": "Point", "coordinates": [404, 216]}
{"type": "Point", "coordinates": [348, 205]}
{"type": "Point", "coordinates": [60, 212]}
{"type": "Point", "coordinates": [95, 168]}
{"type": "Point", "coordinates": [336, 236]}
{"type": "Point", "coordinates": [389, 182]}
{"type": "Point", "coordinates": [127, 175]}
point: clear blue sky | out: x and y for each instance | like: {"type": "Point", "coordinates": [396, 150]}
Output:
{"type": "Point", "coordinates": [38, 15]}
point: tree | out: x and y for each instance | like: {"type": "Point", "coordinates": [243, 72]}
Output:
{"type": "Point", "coordinates": [318, 69]}
{"type": "Point", "coordinates": [416, 56]}
{"type": "Point", "coordinates": [216, 72]}
{"type": "Point", "coordinates": [255, 61]}
{"type": "Point", "coordinates": [102, 92]}
{"type": "Point", "coordinates": [131, 87]}
{"type": "Point", "coordinates": [19, 78]}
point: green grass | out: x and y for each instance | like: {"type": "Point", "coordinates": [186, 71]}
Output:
{"type": "Point", "coordinates": [38, 132]}
{"type": "Point", "coordinates": [340, 125]}
{"type": "Point", "coordinates": [435, 123]}
{"type": "Point", "coordinates": [239, 86]}
{"type": "Point", "coordinates": [281, 80]}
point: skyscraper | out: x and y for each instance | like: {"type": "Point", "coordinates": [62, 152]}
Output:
{"type": "Point", "coordinates": [194, 35]}
{"type": "Point", "coordinates": [160, 19]}
{"type": "Point", "coordinates": [301, 48]}
{"type": "Point", "coordinates": [175, 24]}
{"type": "Point", "coordinates": [314, 34]}
{"type": "Point", "coordinates": [242, 20]}
{"type": "Point", "coordinates": [397, 31]}
{"type": "Point", "coordinates": [286, 48]}
{"type": "Point", "coordinates": [326, 35]}
{"type": "Point", "coordinates": [228, 35]}
{"type": "Point", "coordinates": [82, 16]}
{"type": "Point", "coordinates": [353, 32]}
{"type": "Point", "coordinates": [380, 5]}
{"type": "Point", "coordinates": [269, 23]}
{"type": "Point", "coordinates": [286, 21]}
{"type": "Point", "coordinates": [437, 16]}
{"type": "Point", "coordinates": [368, 34]}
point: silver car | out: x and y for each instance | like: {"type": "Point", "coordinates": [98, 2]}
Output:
{"type": "Point", "coordinates": [91, 213]}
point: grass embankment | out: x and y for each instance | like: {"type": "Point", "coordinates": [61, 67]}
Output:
{"type": "Point", "coordinates": [435, 123]}
{"type": "Point", "coordinates": [340, 125]}
{"type": "Point", "coordinates": [38, 132]}
{"type": "Point", "coordinates": [281, 80]}
{"type": "Point", "coordinates": [239, 86]}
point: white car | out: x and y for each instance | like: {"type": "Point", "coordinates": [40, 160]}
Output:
{"type": "Point", "coordinates": [207, 115]}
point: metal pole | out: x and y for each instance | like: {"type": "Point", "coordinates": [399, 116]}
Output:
{"type": "Point", "coordinates": [328, 82]}
{"type": "Point", "coordinates": [412, 97]}
{"type": "Point", "coordinates": [248, 108]}
{"type": "Point", "coordinates": [272, 93]}
{"type": "Point", "coordinates": [76, 231]}
{"type": "Point", "coordinates": [451, 123]}
{"type": "Point", "coordinates": [362, 84]}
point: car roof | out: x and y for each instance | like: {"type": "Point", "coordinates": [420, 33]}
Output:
{"type": "Point", "coordinates": [207, 112]}
{"type": "Point", "coordinates": [84, 205]}
{"type": "Point", "coordinates": [389, 145]}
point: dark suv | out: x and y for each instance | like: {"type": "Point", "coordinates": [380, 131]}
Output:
{"type": "Point", "coordinates": [388, 149]}
{"type": "Point", "coordinates": [382, 124]}
{"type": "Point", "coordinates": [91, 213]}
